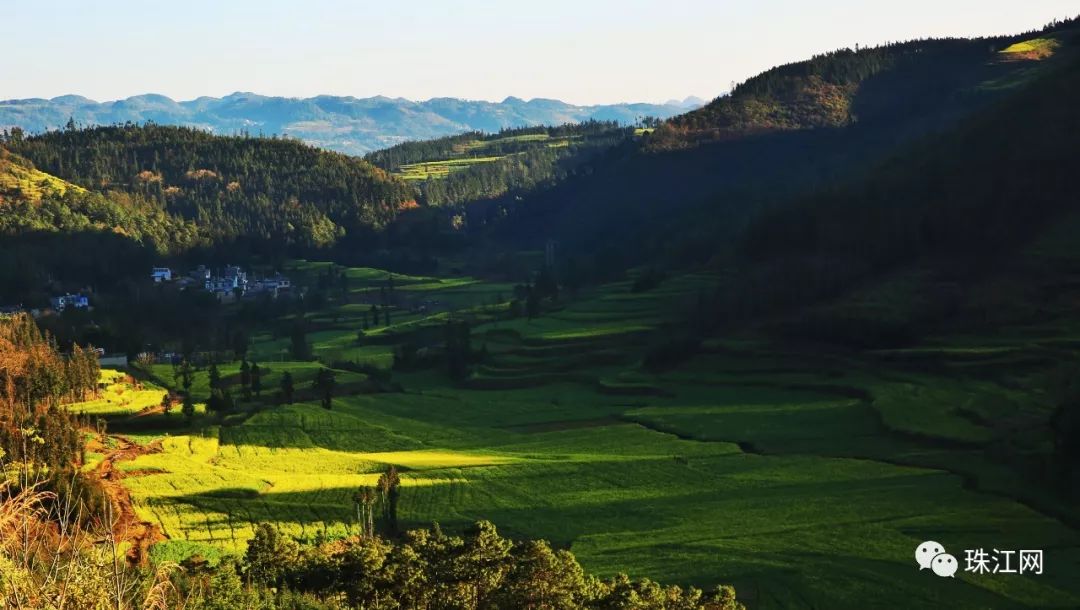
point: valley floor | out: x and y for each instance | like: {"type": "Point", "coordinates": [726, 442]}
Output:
{"type": "Point", "coordinates": [805, 479]}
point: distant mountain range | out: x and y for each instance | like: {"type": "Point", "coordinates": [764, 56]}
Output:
{"type": "Point", "coordinates": [345, 124]}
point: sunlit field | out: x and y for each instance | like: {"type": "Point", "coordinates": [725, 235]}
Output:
{"type": "Point", "coordinates": [796, 478]}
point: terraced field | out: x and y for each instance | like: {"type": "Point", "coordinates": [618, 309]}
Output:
{"type": "Point", "coordinates": [440, 169]}
{"type": "Point", "coordinates": [806, 479]}
{"type": "Point", "coordinates": [119, 397]}
{"type": "Point", "coordinates": [478, 152]}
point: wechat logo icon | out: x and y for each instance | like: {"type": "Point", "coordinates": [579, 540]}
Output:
{"type": "Point", "coordinates": [931, 555]}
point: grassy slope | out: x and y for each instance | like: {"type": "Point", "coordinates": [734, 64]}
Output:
{"type": "Point", "coordinates": [748, 464]}
{"type": "Point", "coordinates": [20, 181]}
{"type": "Point", "coordinates": [121, 398]}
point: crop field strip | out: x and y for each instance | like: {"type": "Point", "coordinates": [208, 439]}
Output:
{"type": "Point", "coordinates": [471, 154]}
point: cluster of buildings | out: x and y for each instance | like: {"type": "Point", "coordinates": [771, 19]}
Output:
{"type": "Point", "coordinates": [57, 304]}
{"type": "Point", "coordinates": [227, 283]}
{"type": "Point", "coordinates": [74, 301]}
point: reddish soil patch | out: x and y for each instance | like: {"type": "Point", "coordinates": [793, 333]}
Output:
{"type": "Point", "coordinates": [128, 527]}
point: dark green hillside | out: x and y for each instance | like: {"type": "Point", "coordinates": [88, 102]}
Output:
{"type": "Point", "coordinates": [55, 231]}
{"type": "Point", "coordinates": [691, 204]}
{"type": "Point", "coordinates": [258, 188]}
{"type": "Point", "coordinates": [889, 83]}
{"type": "Point", "coordinates": [958, 206]}
{"type": "Point", "coordinates": [478, 166]}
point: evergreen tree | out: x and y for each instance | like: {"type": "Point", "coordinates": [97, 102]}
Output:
{"type": "Point", "coordinates": [301, 349]}
{"type": "Point", "coordinates": [221, 403]}
{"type": "Point", "coordinates": [187, 407]}
{"type": "Point", "coordinates": [458, 349]}
{"type": "Point", "coordinates": [324, 386]}
{"type": "Point", "coordinates": [484, 563]}
{"type": "Point", "coordinates": [240, 344]}
{"type": "Point", "coordinates": [269, 553]}
{"type": "Point", "coordinates": [245, 380]}
{"type": "Point", "coordinates": [287, 387]}
{"type": "Point", "coordinates": [215, 376]}
{"type": "Point", "coordinates": [256, 379]}
{"type": "Point", "coordinates": [532, 302]}
{"type": "Point", "coordinates": [185, 375]}
{"type": "Point", "coordinates": [542, 578]}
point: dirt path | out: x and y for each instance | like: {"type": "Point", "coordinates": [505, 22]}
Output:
{"type": "Point", "coordinates": [128, 527]}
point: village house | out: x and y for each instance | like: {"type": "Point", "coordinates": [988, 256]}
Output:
{"type": "Point", "coordinates": [201, 274]}
{"type": "Point", "coordinates": [230, 282]}
{"type": "Point", "coordinates": [276, 284]}
{"type": "Point", "coordinates": [233, 278]}
{"type": "Point", "coordinates": [76, 301]}
{"type": "Point", "coordinates": [161, 274]}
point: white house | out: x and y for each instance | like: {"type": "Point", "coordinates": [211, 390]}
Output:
{"type": "Point", "coordinates": [161, 274]}
{"type": "Point", "coordinates": [231, 280]}
{"type": "Point", "coordinates": [236, 276]}
{"type": "Point", "coordinates": [276, 282]}
{"type": "Point", "coordinates": [77, 301]}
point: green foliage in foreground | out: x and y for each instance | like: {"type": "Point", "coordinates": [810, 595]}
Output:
{"type": "Point", "coordinates": [427, 569]}
{"type": "Point", "coordinates": [82, 567]}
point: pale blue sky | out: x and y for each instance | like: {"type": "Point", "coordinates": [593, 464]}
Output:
{"type": "Point", "coordinates": [583, 51]}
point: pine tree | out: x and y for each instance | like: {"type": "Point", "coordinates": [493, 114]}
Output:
{"type": "Point", "coordinates": [324, 386]}
{"type": "Point", "coordinates": [215, 376]}
{"type": "Point", "coordinates": [245, 380]}
{"type": "Point", "coordinates": [287, 387]}
{"type": "Point", "coordinates": [256, 379]}
{"type": "Point", "coordinates": [301, 349]}
{"type": "Point", "coordinates": [187, 408]}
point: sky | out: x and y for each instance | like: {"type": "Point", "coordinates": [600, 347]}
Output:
{"type": "Point", "coordinates": [580, 51]}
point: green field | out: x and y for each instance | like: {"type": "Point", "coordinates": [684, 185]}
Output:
{"type": "Point", "coordinates": [118, 397]}
{"type": "Point", "coordinates": [440, 169]}
{"type": "Point", "coordinates": [805, 479]}
{"type": "Point", "coordinates": [1036, 48]}
{"type": "Point", "coordinates": [472, 153]}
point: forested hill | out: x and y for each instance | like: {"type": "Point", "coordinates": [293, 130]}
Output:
{"type": "Point", "coordinates": [32, 201]}
{"type": "Point", "coordinates": [690, 195]}
{"type": "Point", "coordinates": [268, 189]}
{"type": "Point", "coordinates": [962, 208]}
{"type": "Point", "coordinates": [346, 124]}
{"type": "Point", "coordinates": [475, 165]}
{"type": "Point", "coordinates": [887, 83]}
